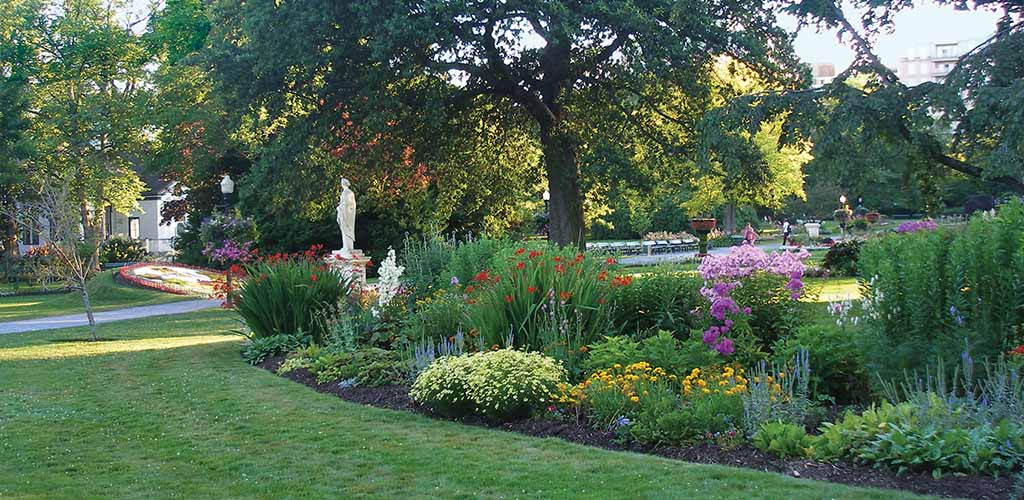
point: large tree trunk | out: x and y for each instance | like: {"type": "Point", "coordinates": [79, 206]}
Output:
{"type": "Point", "coordinates": [566, 205]}
{"type": "Point", "coordinates": [10, 235]}
{"type": "Point", "coordinates": [730, 218]}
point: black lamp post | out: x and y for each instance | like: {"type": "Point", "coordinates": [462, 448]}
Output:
{"type": "Point", "coordinates": [227, 187]}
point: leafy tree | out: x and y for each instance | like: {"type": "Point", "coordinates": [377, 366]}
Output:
{"type": "Point", "coordinates": [410, 64]}
{"type": "Point", "coordinates": [88, 74]}
{"type": "Point", "coordinates": [867, 121]}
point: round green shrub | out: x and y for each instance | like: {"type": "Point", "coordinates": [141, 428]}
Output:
{"type": "Point", "coordinates": [500, 385]}
{"type": "Point", "coordinates": [120, 249]}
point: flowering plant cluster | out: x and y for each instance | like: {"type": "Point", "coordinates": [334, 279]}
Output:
{"type": "Point", "coordinates": [724, 273]}
{"type": "Point", "coordinates": [229, 239]}
{"type": "Point", "coordinates": [915, 226]}
{"type": "Point", "coordinates": [390, 283]}
{"type": "Point", "coordinates": [545, 299]}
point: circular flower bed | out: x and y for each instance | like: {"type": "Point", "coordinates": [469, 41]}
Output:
{"type": "Point", "coordinates": [173, 278]}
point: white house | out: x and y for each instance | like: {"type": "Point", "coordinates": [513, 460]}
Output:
{"type": "Point", "coordinates": [142, 223]}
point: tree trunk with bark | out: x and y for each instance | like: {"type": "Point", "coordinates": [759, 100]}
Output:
{"type": "Point", "coordinates": [566, 205]}
{"type": "Point", "coordinates": [88, 308]}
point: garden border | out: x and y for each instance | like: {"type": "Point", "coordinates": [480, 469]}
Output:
{"type": "Point", "coordinates": [743, 456]}
{"type": "Point", "coordinates": [121, 277]}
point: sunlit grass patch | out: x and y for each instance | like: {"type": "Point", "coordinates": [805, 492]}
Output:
{"type": "Point", "coordinates": [832, 289]}
{"type": "Point", "coordinates": [63, 350]}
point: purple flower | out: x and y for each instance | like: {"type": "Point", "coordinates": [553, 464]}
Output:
{"type": "Point", "coordinates": [455, 280]}
{"type": "Point", "coordinates": [724, 347]}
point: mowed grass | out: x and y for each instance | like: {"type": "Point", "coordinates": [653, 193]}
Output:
{"type": "Point", "coordinates": [104, 293]}
{"type": "Point", "coordinates": [170, 411]}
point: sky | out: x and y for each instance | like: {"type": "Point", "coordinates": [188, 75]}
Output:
{"type": "Point", "coordinates": [926, 23]}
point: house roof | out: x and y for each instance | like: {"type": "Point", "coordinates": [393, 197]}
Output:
{"type": "Point", "coordinates": [154, 184]}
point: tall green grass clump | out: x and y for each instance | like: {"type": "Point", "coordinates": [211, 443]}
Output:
{"type": "Point", "coordinates": [940, 292]}
{"type": "Point", "coordinates": [286, 296]}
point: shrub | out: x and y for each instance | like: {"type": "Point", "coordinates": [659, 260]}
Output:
{"type": "Point", "coordinates": [228, 238]}
{"type": "Point", "coordinates": [259, 349]}
{"type": "Point", "coordinates": [661, 350]}
{"type": "Point", "coordinates": [840, 370]}
{"type": "Point", "coordinates": [469, 257]}
{"type": "Point", "coordinates": [441, 314]}
{"type": "Point", "coordinates": [370, 366]}
{"type": "Point", "coordinates": [783, 440]}
{"type": "Point", "coordinates": [120, 249]}
{"type": "Point", "coordinates": [287, 295]}
{"type": "Point", "coordinates": [841, 259]}
{"type": "Point", "coordinates": [930, 292]}
{"type": "Point", "coordinates": [499, 385]}
{"type": "Point", "coordinates": [660, 300]}
{"type": "Point", "coordinates": [302, 358]}
{"type": "Point", "coordinates": [774, 313]}
{"type": "Point", "coordinates": [424, 259]}
{"type": "Point", "coordinates": [552, 301]}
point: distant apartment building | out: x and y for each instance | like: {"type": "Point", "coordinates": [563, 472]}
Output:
{"type": "Point", "coordinates": [931, 62]}
{"type": "Point", "coordinates": [823, 73]}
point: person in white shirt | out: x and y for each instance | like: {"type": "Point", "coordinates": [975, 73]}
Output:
{"type": "Point", "coordinates": [785, 232]}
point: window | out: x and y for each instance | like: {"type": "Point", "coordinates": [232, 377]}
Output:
{"type": "Point", "coordinates": [29, 236]}
{"type": "Point", "coordinates": [133, 228]}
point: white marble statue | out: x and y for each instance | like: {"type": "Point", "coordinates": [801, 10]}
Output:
{"type": "Point", "coordinates": [347, 218]}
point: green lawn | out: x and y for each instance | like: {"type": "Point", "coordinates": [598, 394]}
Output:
{"type": "Point", "coordinates": [105, 294]}
{"type": "Point", "coordinates": [169, 410]}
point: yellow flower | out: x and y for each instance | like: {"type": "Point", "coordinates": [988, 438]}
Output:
{"type": "Point", "coordinates": [634, 399]}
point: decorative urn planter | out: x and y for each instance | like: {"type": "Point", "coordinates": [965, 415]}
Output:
{"type": "Point", "coordinates": [813, 230]}
{"type": "Point", "coordinates": [702, 227]}
{"type": "Point", "coordinates": [872, 217]}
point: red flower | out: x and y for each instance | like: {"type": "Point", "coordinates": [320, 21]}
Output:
{"type": "Point", "coordinates": [471, 302]}
{"type": "Point", "coordinates": [313, 277]}
{"type": "Point", "coordinates": [603, 275]}
{"type": "Point", "coordinates": [338, 256]}
{"type": "Point", "coordinates": [611, 260]}
{"type": "Point", "coordinates": [481, 276]}
{"type": "Point", "coordinates": [559, 268]}
{"type": "Point", "coordinates": [469, 289]}
{"type": "Point", "coordinates": [534, 253]}
{"type": "Point", "coordinates": [565, 296]}
{"type": "Point", "coordinates": [519, 251]}
{"type": "Point", "coordinates": [558, 259]}
{"type": "Point", "coordinates": [579, 258]}
{"type": "Point", "coordinates": [1018, 351]}
{"type": "Point", "coordinates": [531, 289]}
{"type": "Point", "coordinates": [600, 301]}
{"type": "Point", "coordinates": [509, 299]}
{"type": "Point", "coordinates": [235, 269]}
{"type": "Point", "coordinates": [622, 280]}
{"type": "Point", "coordinates": [520, 265]}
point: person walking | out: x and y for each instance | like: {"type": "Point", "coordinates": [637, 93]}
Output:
{"type": "Point", "coordinates": [785, 232]}
{"type": "Point", "coordinates": [749, 235]}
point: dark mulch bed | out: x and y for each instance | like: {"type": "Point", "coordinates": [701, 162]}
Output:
{"type": "Point", "coordinates": [397, 398]}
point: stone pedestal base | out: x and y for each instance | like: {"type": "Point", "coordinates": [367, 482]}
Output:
{"type": "Point", "coordinates": [351, 266]}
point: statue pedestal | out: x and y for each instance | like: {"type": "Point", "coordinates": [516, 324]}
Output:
{"type": "Point", "coordinates": [351, 266]}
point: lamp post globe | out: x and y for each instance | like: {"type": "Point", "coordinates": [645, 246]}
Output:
{"type": "Point", "coordinates": [227, 187]}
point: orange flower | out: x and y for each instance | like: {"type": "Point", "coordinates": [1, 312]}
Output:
{"type": "Point", "coordinates": [469, 289]}
{"type": "Point", "coordinates": [600, 300]}
{"type": "Point", "coordinates": [471, 302]}
{"type": "Point", "coordinates": [494, 347]}
{"type": "Point", "coordinates": [622, 280]}
{"type": "Point", "coordinates": [520, 265]}
{"type": "Point", "coordinates": [519, 251]}
{"type": "Point", "coordinates": [534, 253]}
{"type": "Point", "coordinates": [559, 268]}
{"type": "Point", "coordinates": [509, 299]}
{"type": "Point", "coordinates": [579, 258]}
{"type": "Point", "coordinates": [603, 275]}
{"type": "Point", "coordinates": [531, 289]}
{"type": "Point", "coordinates": [565, 296]}
{"type": "Point", "coordinates": [584, 349]}
{"type": "Point", "coordinates": [1018, 351]}
{"type": "Point", "coordinates": [558, 259]}
{"type": "Point", "coordinates": [313, 277]}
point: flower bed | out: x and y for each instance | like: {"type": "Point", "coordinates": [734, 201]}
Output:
{"type": "Point", "coordinates": [396, 397]}
{"type": "Point", "coordinates": [179, 279]}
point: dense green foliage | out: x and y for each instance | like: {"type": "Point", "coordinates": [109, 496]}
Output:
{"type": "Point", "coordinates": [370, 367]}
{"type": "Point", "coordinates": [941, 293]}
{"type": "Point", "coordinates": [120, 249]}
{"type": "Point", "coordinates": [287, 297]}
{"type": "Point", "coordinates": [660, 300]}
{"type": "Point", "coordinates": [841, 259]}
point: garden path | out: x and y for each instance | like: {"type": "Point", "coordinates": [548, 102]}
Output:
{"type": "Point", "coordinates": [647, 260]}
{"type": "Point", "coordinates": [70, 320]}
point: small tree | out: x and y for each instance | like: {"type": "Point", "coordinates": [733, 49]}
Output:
{"type": "Point", "coordinates": [54, 212]}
